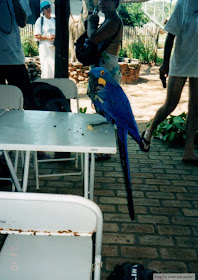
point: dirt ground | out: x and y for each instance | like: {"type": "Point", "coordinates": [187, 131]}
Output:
{"type": "Point", "coordinates": [146, 95]}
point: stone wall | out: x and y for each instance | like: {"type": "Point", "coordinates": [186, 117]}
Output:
{"type": "Point", "coordinates": [79, 73]}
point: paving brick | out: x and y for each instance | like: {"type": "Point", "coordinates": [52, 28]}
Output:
{"type": "Point", "coordinates": [195, 230]}
{"type": "Point", "coordinates": [152, 170]}
{"type": "Point", "coordinates": [190, 242]}
{"type": "Point", "coordinates": [62, 185]}
{"type": "Point", "coordinates": [156, 240]}
{"type": "Point", "coordinates": [114, 174]}
{"type": "Point", "coordinates": [188, 177]}
{"type": "Point", "coordinates": [110, 251]}
{"type": "Point", "coordinates": [176, 171]}
{"type": "Point", "coordinates": [184, 221]}
{"type": "Point", "coordinates": [160, 195]}
{"type": "Point", "coordinates": [118, 238]}
{"type": "Point", "coordinates": [104, 179]}
{"type": "Point", "coordinates": [176, 203]}
{"type": "Point", "coordinates": [171, 189]}
{"type": "Point", "coordinates": [117, 217]}
{"type": "Point", "coordinates": [139, 252]}
{"type": "Point", "coordinates": [193, 189]}
{"type": "Point", "coordinates": [167, 267]}
{"type": "Point", "coordinates": [174, 230]}
{"type": "Point", "coordinates": [113, 200]}
{"type": "Point", "coordinates": [170, 176]}
{"type": "Point", "coordinates": [153, 219]}
{"type": "Point", "coordinates": [145, 187]}
{"type": "Point", "coordinates": [165, 211]}
{"type": "Point", "coordinates": [187, 196]}
{"type": "Point", "coordinates": [138, 209]}
{"type": "Point", "coordinates": [190, 212]}
{"type": "Point", "coordinates": [147, 202]}
{"type": "Point", "coordinates": [115, 186]}
{"type": "Point", "coordinates": [107, 208]}
{"type": "Point", "coordinates": [185, 183]}
{"type": "Point", "coordinates": [135, 194]}
{"type": "Point", "coordinates": [104, 192]}
{"type": "Point", "coordinates": [137, 228]}
{"type": "Point", "coordinates": [110, 227]}
{"type": "Point", "coordinates": [157, 182]}
{"type": "Point", "coordinates": [144, 175]}
{"type": "Point", "coordinates": [179, 254]}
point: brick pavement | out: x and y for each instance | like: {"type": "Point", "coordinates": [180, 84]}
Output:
{"type": "Point", "coordinates": [164, 235]}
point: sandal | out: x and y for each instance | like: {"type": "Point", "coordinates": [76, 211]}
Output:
{"type": "Point", "coordinates": [145, 142]}
{"type": "Point", "coordinates": [100, 157]}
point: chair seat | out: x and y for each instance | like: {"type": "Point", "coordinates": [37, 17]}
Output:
{"type": "Point", "coordinates": [46, 257]}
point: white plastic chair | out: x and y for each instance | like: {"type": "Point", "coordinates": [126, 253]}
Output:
{"type": "Point", "coordinates": [11, 98]}
{"type": "Point", "coordinates": [50, 237]}
{"type": "Point", "coordinates": [70, 91]}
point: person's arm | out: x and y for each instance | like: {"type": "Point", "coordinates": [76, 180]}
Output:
{"type": "Point", "coordinates": [20, 15]}
{"type": "Point", "coordinates": [106, 31]}
{"type": "Point", "coordinates": [44, 37]}
{"type": "Point", "coordinates": [92, 26]}
{"type": "Point", "coordinates": [164, 69]}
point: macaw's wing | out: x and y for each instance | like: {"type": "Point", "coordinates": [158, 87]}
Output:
{"type": "Point", "coordinates": [122, 143]}
{"type": "Point", "coordinates": [116, 104]}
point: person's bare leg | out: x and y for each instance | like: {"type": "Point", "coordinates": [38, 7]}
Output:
{"type": "Point", "coordinates": [175, 86]}
{"type": "Point", "coordinates": [192, 120]}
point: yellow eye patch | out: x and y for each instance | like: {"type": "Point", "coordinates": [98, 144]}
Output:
{"type": "Point", "coordinates": [102, 72]}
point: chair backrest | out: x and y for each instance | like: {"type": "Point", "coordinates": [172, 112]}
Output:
{"type": "Point", "coordinates": [52, 215]}
{"type": "Point", "coordinates": [48, 214]}
{"type": "Point", "coordinates": [67, 86]}
{"type": "Point", "coordinates": [11, 97]}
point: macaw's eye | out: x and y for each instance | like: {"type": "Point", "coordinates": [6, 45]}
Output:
{"type": "Point", "coordinates": [102, 72]}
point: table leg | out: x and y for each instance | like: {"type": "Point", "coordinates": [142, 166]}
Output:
{"type": "Point", "coordinates": [86, 175]}
{"type": "Point", "coordinates": [26, 170]}
{"type": "Point", "coordinates": [92, 172]}
{"type": "Point", "coordinates": [12, 171]}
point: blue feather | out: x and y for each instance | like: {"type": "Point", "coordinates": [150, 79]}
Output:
{"type": "Point", "coordinates": [110, 101]}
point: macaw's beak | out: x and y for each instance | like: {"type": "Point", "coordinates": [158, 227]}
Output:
{"type": "Point", "coordinates": [101, 81]}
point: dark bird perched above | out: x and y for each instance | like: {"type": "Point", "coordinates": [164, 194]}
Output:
{"type": "Point", "coordinates": [111, 102]}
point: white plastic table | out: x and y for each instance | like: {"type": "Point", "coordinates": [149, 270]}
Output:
{"type": "Point", "coordinates": [56, 132]}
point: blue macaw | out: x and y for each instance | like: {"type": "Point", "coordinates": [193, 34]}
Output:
{"type": "Point", "coordinates": [111, 102]}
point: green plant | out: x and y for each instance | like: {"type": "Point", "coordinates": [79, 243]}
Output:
{"type": "Point", "coordinates": [132, 14]}
{"type": "Point", "coordinates": [172, 129]}
{"type": "Point", "coordinates": [83, 110]}
{"type": "Point", "coordinates": [142, 50]}
{"type": "Point", "coordinates": [123, 52]}
{"type": "Point", "coordinates": [30, 47]}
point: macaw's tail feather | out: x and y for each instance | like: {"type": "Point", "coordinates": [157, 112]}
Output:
{"type": "Point", "coordinates": [122, 143]}
{"type": "Point", "coordinates": [134, 133]}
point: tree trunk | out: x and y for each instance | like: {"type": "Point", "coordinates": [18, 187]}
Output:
{"type": "Point", "coordinates": [62, 12]}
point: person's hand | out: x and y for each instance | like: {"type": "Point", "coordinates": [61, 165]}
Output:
{"type": "Point", "coordinates": [164, 69]}
{"type": "Point", "coordinates": [93, 19]}
{"type": "Point", "coordinates": [51, 37]}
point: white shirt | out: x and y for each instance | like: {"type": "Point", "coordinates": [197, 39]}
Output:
{"type": "Point", "coordinates": [48, 28]}
{"type": "Point", "coordinates": [11, 52]}
{"type": "Point", "coordinates": [184, 25]}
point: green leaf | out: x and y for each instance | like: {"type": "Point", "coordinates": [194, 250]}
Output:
{"type": "Point", "coordinates": [178, 119]}
{"type": "Point", "coordinates": [171, 136]}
